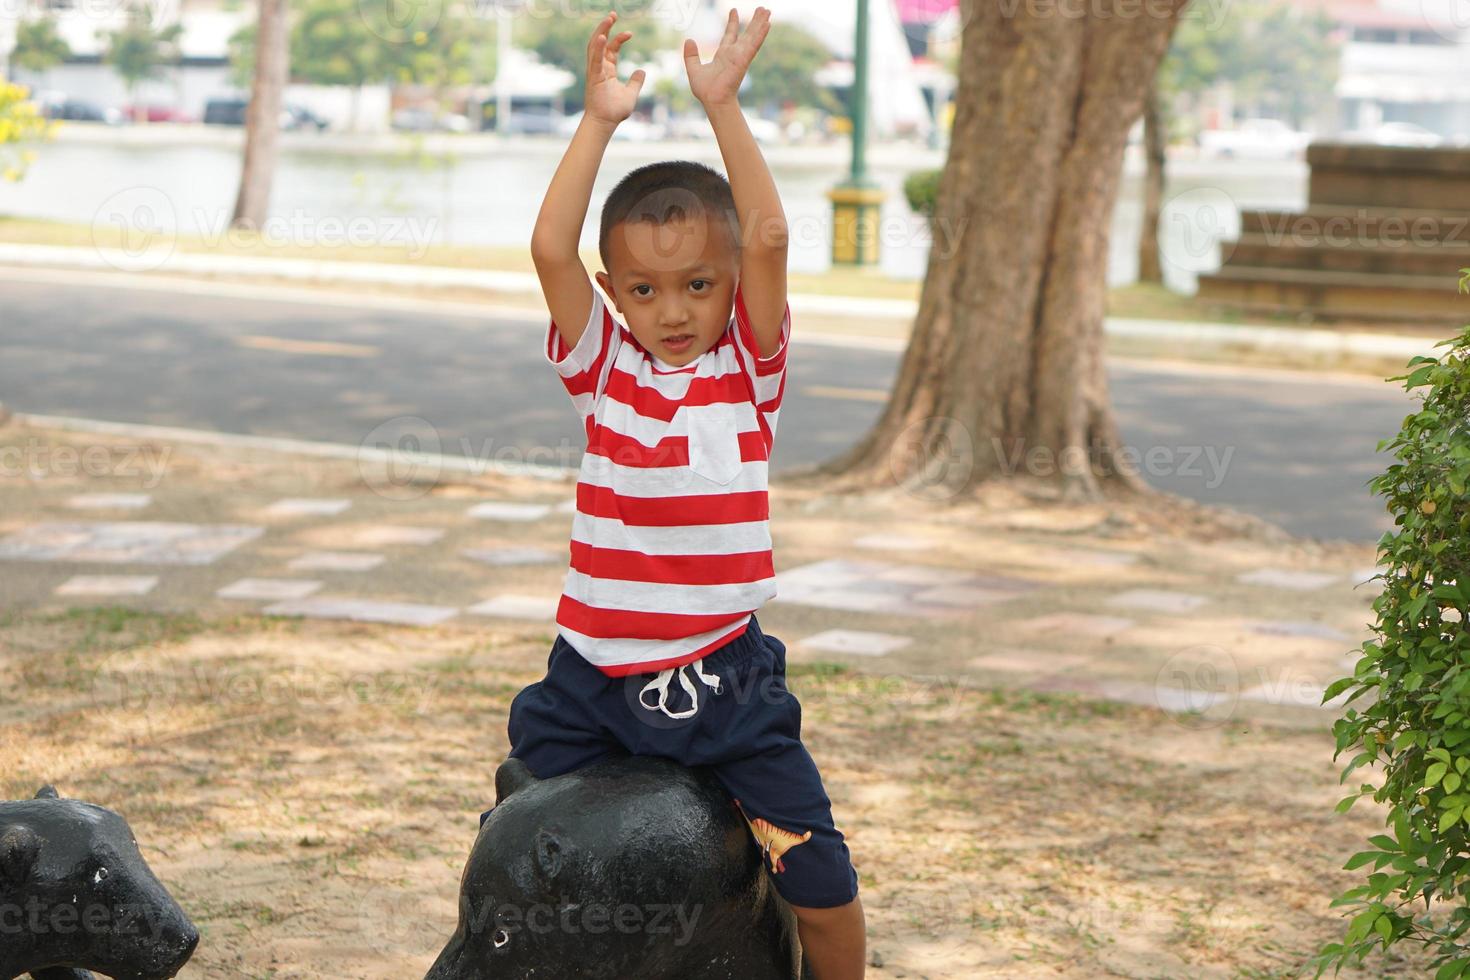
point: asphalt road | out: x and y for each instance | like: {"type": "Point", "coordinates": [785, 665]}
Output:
{"type": "Point", "coordinates": [1292, 448]}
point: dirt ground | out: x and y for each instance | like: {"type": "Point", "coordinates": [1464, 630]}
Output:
{"type": "Point", "coordinates": [310, 790]}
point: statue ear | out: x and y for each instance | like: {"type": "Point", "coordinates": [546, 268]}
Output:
{"type": "Point", "coordinates": [511, 776]}
{"type": "Point", "coordinates": [19, 848]}
{"type": "Point", "coordinates": [47, 792]}
{"type": "Point", "coordinates": [548, 854]}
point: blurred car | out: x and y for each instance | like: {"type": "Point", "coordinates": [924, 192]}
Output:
{"type": "Point", "coordinates": [632, 129]}
{"type": "Point", "coordinates": [1395, 134]}
{"type": "Point", "coordinates": [229, 111]}
{"type": "Point", "coordinates": [535, 122]}
{"type": "Point", "coordinates": [1260, 139]}
{"type": "Point", "coordinates": [80, 110]}
{"type": "Point", "coordinates": [764, 130]}
{"type": "Point", "coordinates": [300, 117]}
{"type": "Point", "coordinates": [157, 114]}
{"type": "Point", "coordinates": [421, 120]}
{"type": "Point", "coordinates": [225, 112]}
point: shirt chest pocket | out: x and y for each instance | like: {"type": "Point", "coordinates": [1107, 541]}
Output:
{"type": "Point", "coordinates": [714, 441]}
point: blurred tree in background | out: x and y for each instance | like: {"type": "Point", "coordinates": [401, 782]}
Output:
{"type": "Point", "coordinates": [786, 71]}
{"type": "Point", "coordinates": [562, 41]}
{"type": "Point", "coordinates": [1276, 58]}
{"type": "Point", "coordinates": [39, 46]}
{"type": "Point", "coordinates": [138, 52]}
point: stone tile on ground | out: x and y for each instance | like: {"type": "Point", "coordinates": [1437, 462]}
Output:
{"type": "Point", "coordinates": [109, 501]}
{"type": "Point", "coordinates": [308, 507]}
{"type": "Point", "coordinates": [1171, 699]}
{"type": "Point", "coordinates": [513, 556]}
{"type": "Point", "coordinates": [387, 535]}
{"type": "Point", "coordinates": [512, 606]}
{"type": "Point", "coordinates": [1031, 661]}
{"type": "Point", "coordinates": [1157, 600]}
{"type": "Point", "coordinates": [124, 542]}
{"type": "Point", "coordinates": [861, 642]}
{"type": "Point", "coordinates": [566, 506]}
{"type": "Point", "coordinates": [107, 585]}
{"type": "Point", "coordinates": [962, 595]}
{"type": "Point", "coordinates": [269, 589]}
{"type": "Point", "coordinates": [1082, 556]}
{"type": "Point", "coordinates": [1300, 694]}
{"type": "Point", "coordinates": [1318, 631]}
{"type": "Point", "coordinates": [498, 510]}
{"type": "Point", "coordinates": [883, 587]}
{"type": "Point", "coordinates": [1281, 578]}
{"type": "Point", "coordinates": [1075, 624]}
{"type": "Point", "coordinates": [336, 561]}
{"type": "Point", "coordinates": [892, 542]}
{"type": "Point", "coordinates": [363, 610]}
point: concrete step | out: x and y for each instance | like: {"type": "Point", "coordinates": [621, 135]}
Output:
{"type": "Point", "coordinates": [1334, 224]}
{"type": "Point", "coordinates": [1382, 176]}
{"type": "Point", "coordinates": [1437, 259]}
{"type": "Point", "coordinates": [1339, 295]}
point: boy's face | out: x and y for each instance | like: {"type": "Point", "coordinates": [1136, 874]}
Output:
{"type": "Point", "coordinates": [673, 283]}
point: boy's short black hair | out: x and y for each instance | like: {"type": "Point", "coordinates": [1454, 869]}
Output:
{"type": "Point", "coordinates": [669, 191]}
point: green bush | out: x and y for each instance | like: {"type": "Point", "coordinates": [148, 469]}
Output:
{"type": "Point", "coordinates": [922, 189]}
{"type": "Point", "coordinates": [1417, 728]}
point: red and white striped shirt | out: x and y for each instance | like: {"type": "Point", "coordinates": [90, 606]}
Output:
{"type": "Point", "coordinates": [671, 543]}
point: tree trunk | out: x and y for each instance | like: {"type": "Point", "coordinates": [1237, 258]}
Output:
{"type": "Point", "coordinates": [1004, 371]}
{"type": "Point", "coordinates": [263, 117]}
{"type": "Point", "coordinates": [1155, 144]}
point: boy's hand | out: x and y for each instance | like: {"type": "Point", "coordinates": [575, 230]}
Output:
{"type": "Point", "coordinates": [609, 99]}
{"type": "Point", "coordinates": [718, 82]}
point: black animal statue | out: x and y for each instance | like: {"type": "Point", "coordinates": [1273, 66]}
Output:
{"type": "Point", "coordinates": [632, 868]}
{"type": "Point", "coordinates": [77, 896]}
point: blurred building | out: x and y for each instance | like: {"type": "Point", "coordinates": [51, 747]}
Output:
{"type": "Point", "coordinates": [183, 90]}
{"type": "Point", "coordinates": [1403, 61]}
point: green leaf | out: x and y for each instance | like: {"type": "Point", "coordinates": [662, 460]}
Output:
{"type": "Point", "coordinates": [1435, 774]}
{"type": "Point", "coordinates": [1451, 970]}
{"type": "Point", "coordinates": [1384, 925]}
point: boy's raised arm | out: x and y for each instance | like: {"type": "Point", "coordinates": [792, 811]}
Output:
{"type": "Point", "coordinates": [763, 226]}
{"type": "Point", "coordinates": [558, 233]}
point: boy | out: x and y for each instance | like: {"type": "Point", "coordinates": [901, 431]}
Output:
{"type": "Point", "coordinates": [671, 548]}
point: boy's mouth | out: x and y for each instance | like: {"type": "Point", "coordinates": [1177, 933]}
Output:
{"type": "Point", "coordinates": [679, 342]}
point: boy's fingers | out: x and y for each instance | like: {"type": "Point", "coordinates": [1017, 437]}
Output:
{"type": "Point", "coordinates": [603, 26]}
{"type": "Point", "coordinates": [617, 42]}
{"type": "Point", "coordinates": [691, 54]}
{"type": "Point", "coordinates": [595, 56]}
{"type": "Point", "coordinates": [635, 82]}
{"type": "Point", "coordinates": [732, 28]}
{"type": "Point", "coordinates": [759, 27]}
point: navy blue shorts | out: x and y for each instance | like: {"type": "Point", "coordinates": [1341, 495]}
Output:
{"type": "Point", "coordinates": [748, 733]}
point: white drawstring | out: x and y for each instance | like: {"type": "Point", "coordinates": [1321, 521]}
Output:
{"type": "Point", "coordinates": [661, 684]}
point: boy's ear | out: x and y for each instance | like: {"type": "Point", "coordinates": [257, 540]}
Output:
{"type": "Point", "coordinates": [605, 281]}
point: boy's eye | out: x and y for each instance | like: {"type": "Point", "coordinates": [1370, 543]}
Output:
{"type": "Point", "coordinates": [699, 284]}
{"type": "Point", "coordinates": [643, 290]}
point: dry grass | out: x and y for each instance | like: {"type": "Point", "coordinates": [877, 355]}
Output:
{"type": "Point", "coordinates": [310, 791]}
